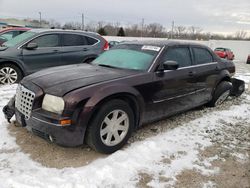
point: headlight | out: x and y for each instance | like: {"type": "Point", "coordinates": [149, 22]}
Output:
{"type": "Point", "coordinates": [53, 104]}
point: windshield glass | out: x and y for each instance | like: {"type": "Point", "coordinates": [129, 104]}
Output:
{"type": "Point", "coordinates": [16, 40]}
{"type": "Point", "coordinates": [135, 57]}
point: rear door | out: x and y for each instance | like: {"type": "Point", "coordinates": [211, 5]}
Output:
{"type": "Point", "coordinates": [75, 48]}
{"type": "Point", "coordinates": [206, 72]}
{"type": "Point", "coordinates": [48, 53]}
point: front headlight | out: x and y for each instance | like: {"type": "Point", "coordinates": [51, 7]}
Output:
{"type": "Point", "coordinates": [53, 104]}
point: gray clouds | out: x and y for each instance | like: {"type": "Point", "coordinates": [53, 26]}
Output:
{"type": "Point", "coordinates": [211, 15]}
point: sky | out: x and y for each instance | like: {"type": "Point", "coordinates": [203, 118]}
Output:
{"type": "Point", "coordinates": [223, 16]}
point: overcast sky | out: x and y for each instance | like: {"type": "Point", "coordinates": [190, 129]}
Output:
{"type": "Point", "coordinates": [224, 16]}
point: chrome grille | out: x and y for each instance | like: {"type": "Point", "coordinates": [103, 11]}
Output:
{"type": "Point", "coordinates": [24, 101]}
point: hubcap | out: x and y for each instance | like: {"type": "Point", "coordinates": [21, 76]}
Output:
{"type": "Point", "coordinates": [8, 75]}
{"type": "Point", "coordinates": [114, 127]}
{"type": "Point", "coordinates": [222, 98]}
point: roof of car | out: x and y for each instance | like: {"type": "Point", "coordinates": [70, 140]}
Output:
{"type": "Point", "coordinates": [163, 42]}
{"type": "Point", "coordinates": [61, 30]}
{"type": "Point", "coordinates": [15, 29]}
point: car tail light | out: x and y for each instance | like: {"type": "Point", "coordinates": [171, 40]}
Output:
{"type": "Point", "coordinates": [106, 46]}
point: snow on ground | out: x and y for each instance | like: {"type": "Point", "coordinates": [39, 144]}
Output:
{"type": "Point", "coordinates": [167, 155]}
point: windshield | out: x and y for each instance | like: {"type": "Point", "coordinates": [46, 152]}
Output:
{"type": "Point", "coordinates": [16, 40]}
{"type": "Point", "coordinates": [135, 57]}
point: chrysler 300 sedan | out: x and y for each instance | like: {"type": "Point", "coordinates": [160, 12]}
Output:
{"type": "Point", "coordinates": [103, 102]}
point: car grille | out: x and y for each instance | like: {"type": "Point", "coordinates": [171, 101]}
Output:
{"type": "Point", "coordinates": [24, 101]}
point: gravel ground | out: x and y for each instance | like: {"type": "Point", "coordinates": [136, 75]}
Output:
{"type": "Point", "coordinates": [231, 148]}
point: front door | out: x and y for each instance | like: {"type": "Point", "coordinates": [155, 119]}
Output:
{"type": "Point", "coordinates": [47, 54]}
{"type": "Point", "coordinates": [174, 90]}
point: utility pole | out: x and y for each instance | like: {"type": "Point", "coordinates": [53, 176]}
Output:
{"type": "Point", "coordinates": [40, 17]}
{"type": "Point", "coordinates": [142, 26]}
{"type": "Point", "coordinates": [172, 30]}
{"type": "Point", "coordinates": [83, 21]}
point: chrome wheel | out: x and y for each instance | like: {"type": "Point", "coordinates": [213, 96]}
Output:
{"type": "Point", "coordinates": [222, 98]}
{"type": "Point", "coordinates": [8, 75]}
{"type": "Point", "coordinates": [114, 127]}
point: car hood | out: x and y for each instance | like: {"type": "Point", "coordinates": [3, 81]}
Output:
{"type": "Point", "coordinates": [61, 80]}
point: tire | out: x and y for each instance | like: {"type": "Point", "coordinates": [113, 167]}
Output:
{"type": "Point", "coordinates": [104, 121]}
{"type": "Point", "coordinates": [10, 74]}
{"type": "Point", "coordinates": [221, 93]}
{"type": "Point", "coordinates": [89, 60]}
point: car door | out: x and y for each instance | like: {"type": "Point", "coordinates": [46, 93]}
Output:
{"type": "Point", "coordinates": [47, 54]}
{"type": "Point", "coordinates": [173, 90]}
{"type": "Point", "coordinates": [206, 72]}
{"type": "Point", "coordinates": [74, 48]}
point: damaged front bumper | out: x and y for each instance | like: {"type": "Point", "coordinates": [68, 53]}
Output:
{"type": "Point", "coordinates": [238, 87]}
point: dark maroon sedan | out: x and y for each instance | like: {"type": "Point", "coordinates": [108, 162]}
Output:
{"type": "Point", "coordinates": [248, 59]}
{"type": "Point", "coordinates": [102, 103]}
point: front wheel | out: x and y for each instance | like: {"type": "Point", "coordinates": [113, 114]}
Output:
{"type": "Point", "coordinates": [10, 74]}
{"type": "Point", "coordinates": [111, 128]}
{"type": "Point", "coordinates": [221, 93]}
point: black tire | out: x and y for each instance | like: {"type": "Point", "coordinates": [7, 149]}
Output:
{"type": "Point", "coordinates": [94, 138]}
{"type": "Point", "coordinates": [223, 88]}
{"type": "Point", "coordinates": [14, 71]}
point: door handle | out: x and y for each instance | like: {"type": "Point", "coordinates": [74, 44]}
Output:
{"type": "Point", "coordinates": [191, 73]}
{"type": "Point", "coordinates": [85, 49]}
{"type": "Point", "coordinates": [56, 51]}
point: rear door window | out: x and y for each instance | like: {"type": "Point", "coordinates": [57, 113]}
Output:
{"type": "Point", "coordinates": [47, 41]}
{"type": "Point", "coordinates": [91, 41]}
{"type": "Point", "coordinates": [74, 40]}
{"type": "Point", "coordinates": [202, 56]}
{"type": "Point", "coordinates": [179, 54]}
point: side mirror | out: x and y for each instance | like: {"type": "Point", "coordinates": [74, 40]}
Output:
{"type": "Point", "coordinates": [170, 65]}
{"type": "Point", "coordinates": [31, 46]}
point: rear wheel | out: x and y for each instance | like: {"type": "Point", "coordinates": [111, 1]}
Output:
{"type": "Point", "coordinates": [221, 93]}
{"type": "Point", "coordinates": [111, 128]}
{"type": "Point", "coordinates": [10, 74]}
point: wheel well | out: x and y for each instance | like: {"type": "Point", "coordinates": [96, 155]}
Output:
{"type": "Point", "coordinates": [13, 63]}
{"type": "Point", "coordinates": [128, 98]}
{"type": "Point", "coordinates": [89, 59]}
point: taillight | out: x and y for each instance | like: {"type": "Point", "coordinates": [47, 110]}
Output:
{"type": "Point", "coordinates": [106, 46]}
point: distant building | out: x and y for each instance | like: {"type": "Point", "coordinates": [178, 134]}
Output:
{"type": "Point", "coordinates": [12, 22]}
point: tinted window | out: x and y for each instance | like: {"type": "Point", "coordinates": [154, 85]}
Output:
{"type": "Point", "coordinates": [73, 40]}
{"type": "Point", "coordinates": [91, 41]}
{"type": "Point", "coordinates": [47, 41]}
{"type": "Point", "coordinates": [202, 56]}
{"type": "Point", "coordinates": [180, 55]}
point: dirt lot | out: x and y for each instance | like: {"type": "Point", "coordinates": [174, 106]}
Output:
{"type": "Point", "coordinates": [233, 170]}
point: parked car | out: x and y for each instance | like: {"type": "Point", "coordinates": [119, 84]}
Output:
{"type": "Point", "coordinates": [103, 102]}
{"type": "Point", "coordinates": [10, 33]}
{"type": "Point", "coordinates": [42, 48]}
{"type": "Point", "coordinates": [113, 43]}
{"type": "Point", "coordinates": [224, 53]}
{"type": "Point", "coordinates": [248, 59]}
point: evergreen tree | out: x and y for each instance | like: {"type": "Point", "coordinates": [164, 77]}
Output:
{"type": "Point", "coordinates": [102, 31]}
{"type": "Point", "coordinates": [121, 32]}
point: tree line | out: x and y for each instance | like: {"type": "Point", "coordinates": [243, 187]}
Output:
{"type": "Point", "coordinates": [145, 30]}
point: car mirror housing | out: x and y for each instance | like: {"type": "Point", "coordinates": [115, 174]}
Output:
{"type": "Point", "coordinates": [31, 46]}
{"type": "Point", "coordinates": [170, 65]}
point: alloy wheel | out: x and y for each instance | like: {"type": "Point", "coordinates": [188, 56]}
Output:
{"type": "Point", "coordinates": [8, 75]}
{"type": "Point", "coordinates": [114, 127]}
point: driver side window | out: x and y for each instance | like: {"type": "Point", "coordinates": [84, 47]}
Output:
{"type": "Point", "coordinates": [47, 41]}
{"type": "Point", "coordinates": [179, 54]}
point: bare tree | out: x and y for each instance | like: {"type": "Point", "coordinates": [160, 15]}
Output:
{"type": "Point", "coordinates": [240, 34]}
{"type": "Point", "coordinates": [180, 31]}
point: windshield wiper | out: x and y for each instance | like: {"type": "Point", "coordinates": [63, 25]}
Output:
{"type": "Point", "coordinates": [109, 66]}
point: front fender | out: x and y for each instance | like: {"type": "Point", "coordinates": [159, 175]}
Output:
{"type": "Point", "coordinates": [103, 93]}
